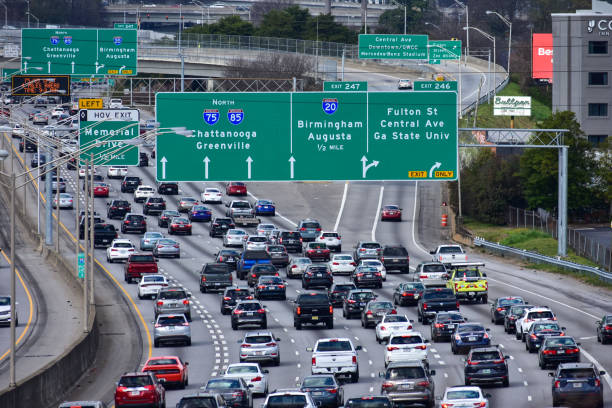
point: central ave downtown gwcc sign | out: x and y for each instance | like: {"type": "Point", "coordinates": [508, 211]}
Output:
{"type": "Point", "coordinates": [307, 136]}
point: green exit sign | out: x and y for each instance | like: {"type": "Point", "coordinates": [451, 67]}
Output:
{"type": "Point", "coordinates": [347, 86]}
{"type": "Point", "coordinates": [127, 26]}
{"type": "Point", "coordinates": [81, 263]}
{"type": "Point", "coordinates": [435, 85]}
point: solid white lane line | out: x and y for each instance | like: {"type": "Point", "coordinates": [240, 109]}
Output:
{"type": "Point", "coordinates": [414, 219]}
{"type": "Point", "coordinates": [445, 375]}
{"type": "Point", "coordinates": [380, 197]}
{"type": "Point", "coordinates": [346, 184]}
{"type": "Point", "coordinates": [277, 213]}
{"type": "Point", "coordinates": [525, 383]}
{"type": "Point", "coordinates": [529, 398]}
{"type": "Point", "coordinates": [520, 370]}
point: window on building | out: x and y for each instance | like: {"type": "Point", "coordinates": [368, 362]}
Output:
{"type": "Point", "coordinates": [598, 47]}
{"type": "Point", "coordinates": [598, 78]}
{"type": "Point", "coordinates": [597, 139]}
{"type": "Point", "coordinates": [598, 109]}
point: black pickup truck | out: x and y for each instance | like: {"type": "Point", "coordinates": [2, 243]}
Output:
{"type": "Point", "coordinates": [436, 300]}
{"type": "Point", "coordinates": [104, 234]}
{"type": "Point", "coordinates": [215, 276]}
{"type": "Point", "coordinates": [313, 308]}
{"type": "Point", "coordinates": [96, 220]}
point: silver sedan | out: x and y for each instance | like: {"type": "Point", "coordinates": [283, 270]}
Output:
{"type": "Point", "coordinates": [65, 201]}
{"type": "Point", "coordinates": [235, 237]}
{"type": "Point", "coordinates": [166, 247]}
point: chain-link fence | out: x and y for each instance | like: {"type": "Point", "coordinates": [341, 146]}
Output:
{"type": "Point", "coordinates": [579, 241]}
{"type": "Point", "coordinates": [141, 91]}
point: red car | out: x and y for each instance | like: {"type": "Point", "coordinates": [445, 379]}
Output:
{"type": "Point", "coordinates": [236, 188]}
{"type": "Point", "coordinates": [101, 190]}
{"type": "Point", "coordinates": [179, 225]}
{"type": "Point", "coordinates": [317, 251]}
{"type": "Point", "coordinates": [171, 368]}
{"type": "Point", "coordinates": [139, 390]}
{"type": "Point", "coordinates": [391, 212]}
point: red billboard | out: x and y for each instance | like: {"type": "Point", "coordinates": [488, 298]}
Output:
{"type": "Point", "coordinates": [542, 56]}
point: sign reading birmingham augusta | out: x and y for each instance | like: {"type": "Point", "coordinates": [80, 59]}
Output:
{"type": "Point", "coordinates": [308, 136]}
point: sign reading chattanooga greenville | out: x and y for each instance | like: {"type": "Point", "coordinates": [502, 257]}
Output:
{"type": "Point", "coordinates": [393, 46]}
{"type": "Point", "coordinates": [79, 51]}
{"type": "Point", "coordinates": [102, 132]}
{"type": "Point", "coordinates": [512, 106]}
{"type": "Point", "coordinates": [308, 136]}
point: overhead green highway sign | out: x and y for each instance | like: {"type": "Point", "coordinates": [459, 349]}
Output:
{"type": "Point", "coordinates": [393, 46]}
{"type": "Point", "coordinates": [345, 86]}
{"type": "Point", "coordinates": [109, 129]}
{"type": "Point", "coordinates": [126, 26]}
{"type": "Point", "coordinates": [435, 85]}
{"type": "Point", "coordinates": [79, 51]}
{"type": "Point", "coordinates": [308, 136]}
{"type": "Point", "coordinates": [444, 50]}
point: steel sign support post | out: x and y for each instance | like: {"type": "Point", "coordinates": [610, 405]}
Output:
{"type": "Point", "coordinates": [12, 383]}
{"type": "Point", "coordinates": [562, 203]}
{"type": "Point", "coordinates": [78, 247]}
{"type": "Point", "coordinates": [86, 235]}
{"type": "Point", "coordinates": [91, 236]}
{"type": "Point", "coordinates": [49, 195]}
{"type": "Point", "coordinates": [57, 207]}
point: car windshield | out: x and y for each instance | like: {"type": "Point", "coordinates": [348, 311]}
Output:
{"type": "Point", "coordinates": [303, 260]}
{"type": "Point", "coordinates": [395, 251]}
{"type": "Point", "coordinates": [266, 226]}
{"type": "Point", "coordinates": [264, 202]}
{"type": "Point", "coordinates": [546, 326]}
{"type": "Point", "coordinates": [276, 248]}
{"type": "Point", "coordinates": [317, 245]}
{"type": "Point", "coordinates": [541, 315]}
{"type": "Point", "coordinates": [212, 190]}
{"type": "Point", "coordinates": [238, 293]}
{"type": "Point", "coordinates": [270, 280]}
{"type": "Point", "coordinates": [199, 208]}
{"type": "Point", "coordinates": [156, 200]}
{"type": "Point", "coordinates": [236, 232]}
{"type": "Point", "coordinates": [449, 317]}
{"type": "Point", "coordinates": [401, 373]}
{"type": "Point", "coordinates": [171, 213]}
{"type": "Point", "coordinates": [249, 306]}
{"type": "Point", "coordinates": [259, 255]}
{"type": "Point", "coordinates": [323, 381]}
{"type": "Point", "coordinates": [343, 258]}
{"type": "Point", "coordinates": [153, 235]}
{"type": "Point", "coordinates": [218, 268]}
{"type": "Point", "coordinates": [263, 268]}
{"type": "Point", "coordinates": [258, 239]}
{"type": "Point", "coordinates": [197, 402]}
{"type": "Point", "coordinates": [286, 401]}
{"type": "Point", "coordinates": [462, 394]}
{"type": "Point", "coordinates": [415, 286]}
{"type": "Point", "coordinates": [486, 355]}
{"type": "Point", "coordinates": [5, 301]}
{"type": "Point", "coordinates": [123, 245]}
{"type": "Point", "coordinates": [310, 225]}
{"type": "Point", "coordinates": [557, 342]}
{"type": "Point", "coordinates": [313, 299]}
{"type": "Point", "coordinates": [467, 273]}
{"type": "Point", "coordinates": [434, 268]}
{"type": "Point", "coordinates": [577, 373]}
{"type": "Point", "coordinates": [189, 199]}
{"type": "Point", "coordinates": [242, 369]}
{"type": "Point", "coordinates": [344, 288]}
{"type": "Point", "coordinates": [406, 339]}
{"type": "Point", "coordinates": [362, 296]}
{"type": "Point", "coordinates": [171, 320]}
{"type": "Point", "coordinates": [451, 250]}
{"type": "Point", "coordinates": [258, 339]}
{"type": "Point", "coordinates": [395, 319]}
{"type": "Point", "coordinates": [368, 402]}
{"type": "Point", "coordinates": [519, 310]}
{"type": "Point", "coordinates": [229, 252]}
{"type": "Point", "coordinates": [237, 183]}
{"type": "Point", "coordinates": [180, 221]}
{"type": "Point", "coordinates": [166, 241]}
{"type": "Point", "coordinates": [135, 381]}
{"type": "Point", "coordinates": [222, 383]}
{"type": "Point", "coordinates": [510, 301]}
{"type": "Point", "coordinates": [370, 245]}
{"type": "Point", "coordinates": [439, 294]}
{"type": "Point", "coordinates": [172, 294]}
{"type": "Point", "coordinates": [162, 361]}
{"type": "Point", "coordinates": [152, 279]}
{"type": "Point", "coordinates": [142, 258]}
{"type": "Point", "coordinates": [334, 345]}
{"type": "Point", "coordinates": [330, 234]}
{"type": "Point", "coordinates": [381, 305]}
{"type": "Point", "coordinates": [241, 204]}
{"type": "Point", "coordinates": [470, 328]}
{"type": "Point", "coordinates": [392, 207]}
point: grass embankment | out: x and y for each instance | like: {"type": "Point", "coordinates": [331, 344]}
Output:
{"type": "Point", "coordinates": [485, 119]}
{"type": "Point", "coordinates": [536, 241]}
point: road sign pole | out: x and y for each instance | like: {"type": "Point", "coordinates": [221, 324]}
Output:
{"type": "Point", "coordinates": [49, 196]}
{"type": "Point", "coordinates": [85, 238]}
{"type": "Point", "coordinates": [91, 236]}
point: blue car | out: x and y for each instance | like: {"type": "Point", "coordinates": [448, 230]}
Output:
{"type": "Point", "coordinates": [199, 213]}
{"type": "Point", "coordinates": [264, 207]}
{"type": "Point", "coordinates": [468, 335]}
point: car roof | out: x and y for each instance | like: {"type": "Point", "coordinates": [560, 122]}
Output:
{"type": "Point", "coordinates": [484, 349]}
{"type": "Point", "coordinates": [258, 333]}
{"type": "Point", "coordinates": [577, 365]}
{"type": "Point", "coordinates": [406, 363]}
{"type": "Point", "coordinates": [120, 240]}
{"type": "Point", "coordinates": [463, 388]}
{"type": "Point", "coordinates": [162, 357]}
{"type": "Point", "coordinates": [334, 339]}
{"type": "Point", "coordinates": [540, 309]}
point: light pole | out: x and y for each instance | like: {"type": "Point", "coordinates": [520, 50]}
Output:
{"type": "Point", "coordinates": [433, 25]}
{"type": "Point", "coordinates": [467, 23]}
{"type": "Point", "coordinates": [37, 20]}
{"type": "Point", "coordinates": [5, 14]}
{"type": "Point", "coordinates": [492, 38]}
{"type": "Point", "coordinates": [201, 6]}
{"type": "Point", "coordinates": [404, 7]}
{"type": "Point", "coordinates": [509, 24]}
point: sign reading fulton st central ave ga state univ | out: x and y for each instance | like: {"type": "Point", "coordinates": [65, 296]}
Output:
{"type": "Point", "coordinates": [308, 136]}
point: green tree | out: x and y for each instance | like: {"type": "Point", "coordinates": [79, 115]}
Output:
{"type": "Point", "coordinates": [539, 11]}
{"type": "Point", "coordinates": [329, 30]}
{"type": "Point", "coordinates": [277, 23]}
{"type": "Point", "coordinates": [231, 25]}
{"type": "Point", "coordinates": [392, 21]}
{"type": "Point", "coordinates": [539, 169]}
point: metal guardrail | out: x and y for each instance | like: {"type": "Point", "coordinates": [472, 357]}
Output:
{"type": "Point", "coordinates": [538, 258]}
{"type": "Point", "coordinates": [485, 97]}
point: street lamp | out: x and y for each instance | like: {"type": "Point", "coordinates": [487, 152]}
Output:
{"type": "Point", "coordinates": [491, 38]}
{"type": "Point", "coordinates": [509, 24]}
{"type": "Point", "coordinates": [37, 20]}
{"type": "Point", "coordinates": [5, 14]}
{"type": "Point", "coordinates": [433, 25]}
{"type": "Point", "coordinates": [467, 23]}
{"type": "Point", "coordinates": [404, 7]}
{"type": "Point", "coordinates": [201, 6]}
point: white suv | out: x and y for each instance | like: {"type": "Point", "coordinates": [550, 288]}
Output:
{"type": "Point", "coordinates": [142, 193]}
{"type": "Point", "coordinates": [115, 104]}
{"type": "Point", "coordinates": [406, 346]}
{"type": "Point", "coordinates": [117, 172]}
{"type": "Point", "coordinates": [290, 397]}
{"type": "Point", "coordinates": [333, 240]}
{"type": "Point", "coordinates": [119, 250]}
{"type": "Point", "coordinates": [536, 314]}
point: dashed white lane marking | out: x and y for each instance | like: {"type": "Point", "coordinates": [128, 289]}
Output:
{"type": "Point", "coordinates": [442, 362]}
{"type": "Point", "coordinates": [371, 389]}
{"type": "Point", "coordinates": [525, 383]}
{"type": "Point", "coordinates": [433, 350]}
{"type": "Point", "coordinates": [276, 320]}
{"type": "Point", "coordinates": [285, 329]}
{"type": "Point", "coordinates": [299, 365]}
{"type": "Point", "coordinates": [520, 370]}
{"type": "Point", "coordinates": [346, 184]}
{"type": "Point", "coordinates": [356, 338]}
{"type": "Point", "coordinates": [297, 379]}
{"type": "Point", "coordinates": [218, 361]}
{"type": "Point", "coordinates": [588, 338]}
{"type": "Point", "coordinates": [436, 355]}
{"type": "Point", "coordinates": [445, 375]}
{"type": "Point", "coordinates": [297, 353]}
{"type": "Point", "coordinates": [370, 362]}
{"type": "Point", "coordinates": [372, 375]}
{"type": "Point", "coordinates": [511, 357]}
{"type": "Point", "coordinates": [217, 348]}
{"type": "Point", "coordinates": [292, 341]}
{"type": "Point", "coordinates": [529, 398]}
{"type": "Point", "coordinates": [501, 345]}
{"type": "Point", "coordinates": [380, 197]}
{"type": "Point", "coordinates": [213, 374]}
{"type": "Point", "coordinates": [346, 328]}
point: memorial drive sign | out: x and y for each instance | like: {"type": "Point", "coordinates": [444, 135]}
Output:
{"type": "Point", "coordinates": [308, 136]}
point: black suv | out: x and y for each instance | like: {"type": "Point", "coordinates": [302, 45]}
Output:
{"type": "Point", "coordinates": [228, 256]}
{"type": "Point", "coordinates": [134, 223]}
{"type": "Point", "coordinates": [154, 205]}
{"type": "Point", "coordinates": [577, 382]}
{"type": "Point", "coordinates": [486, 365]}
{"type": "Point", "coordinates": [232, 295]}
{"type": "Point", "coordinates": [338, 291]}
{"type": "Point", "coordinates": [96, 220]}
{"type": "Point", "coordinates": [118, 209]}
{"type": "Point", "coordinates": [291, 240]}
{"type": "Point", "coordinates": [395, 257]}
{"type": "Point", "coordinates": [313, 308]}
{"type": "Point", "coordinates": [129, 184]}
{"type": "Point", "coordinates": [143, 160]}
{"type": "Point", "coordinates": [219, 226]}
{"type": "Point", "coordinates": [167, 187]}
{"type": "Point", "coordinates": [444, 323]}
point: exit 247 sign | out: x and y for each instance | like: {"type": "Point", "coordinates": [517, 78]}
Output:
{"type": "Point", "coordinates": [308, 136]}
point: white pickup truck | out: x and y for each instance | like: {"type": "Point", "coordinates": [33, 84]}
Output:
{"type": "Point", "coordinates": [448, 254]}
{"type": "Point", "coordinates": [335, 356]}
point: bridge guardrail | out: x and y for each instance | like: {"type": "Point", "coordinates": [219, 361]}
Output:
{"type": "Point", "coordinates": [538, 258]}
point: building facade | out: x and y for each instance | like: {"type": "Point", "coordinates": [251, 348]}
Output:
{"type": "Point", "coordinates": [581, 70]}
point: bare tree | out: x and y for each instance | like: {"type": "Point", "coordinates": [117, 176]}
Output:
{"type": "Point", "coordinates": [271, 65]}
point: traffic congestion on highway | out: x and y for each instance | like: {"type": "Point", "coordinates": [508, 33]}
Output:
{"type": "Point", "coordinates": [262, 294]}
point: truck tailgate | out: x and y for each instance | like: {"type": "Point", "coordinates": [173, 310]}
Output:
{"type": "Point", "coordinates": [335, 359]}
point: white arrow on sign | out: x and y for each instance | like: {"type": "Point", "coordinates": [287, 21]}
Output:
{"type": "Point", "coordinates": [25, 67]}
{"type": "Point", "coordinates": [48, 67]}
{"type": "Point", "coordinates": [72, 64]}
{"type": "Point", "coordinates": [163, 161]}
{"type": "Point", "coordinates": [365, 168]}
{"type": "Point", "coordinates": [249, 161]}
{"type": "Point", "coordinates": [291, 162]}
{"type": "Point", "coordinates": [206, 161]}
{"type": "Point", "coordinates": [435, 166]}
{"type": "Point", "coordinates": [98, 67]}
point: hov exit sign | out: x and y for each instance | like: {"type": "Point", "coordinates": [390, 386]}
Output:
{"type": "Point", "coordinates": [308, 136]}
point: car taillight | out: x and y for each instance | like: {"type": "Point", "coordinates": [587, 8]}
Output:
{"type": "Point", "coordinates": [270, 344]}
{"type": "Point", "coordinates": [255, 379]}
{"type": "Point", "coordinates": [425, 305]}
{"type": "Point", "coordinates": [393, 311]}
{"type": "Point", "coordinates": [126, 222]}
{"type": "Point", "coordinates": [238, 394]}
{"type": "Point", "coordinates": [185, 301]}
{"type": "Point", "coordinates": [457, 337]}
{"type": "Point", "coordinates": [318, 229]}
{"type": "Point", "coordinates": [551, 352]}
{"type": "Point", "coordinates": [533, 336]}
{"type": "Point", "coordinates": [421, 347]}
{"type": "Point", "coordinates": [423, 383]}
{"type": "Point", "coordinates": [498, 361]}
{"type": "Point", "coordinates": [458, 305]}
{"type": "Point", "coordinates": [383, 328]}
{"type": "Point", "coordinates": [302, 229]}
{"type": "Point", "coordinates": [485, 336]}
{"type": "Point", "coordinates": [332, 390]}
{"type": "Point", "coordinates": [314, 361]}
{"type": "Point", "coordinates": [472, 362]}
{"type": "Point", "coordinates": [203, 278]}
{"type": "Point", "coordinates": [572, 351]}
{"type": "Point", "coordinates": [227, 298]}
{"type": "Point", "coordinates": [331, 309]}
{"type": "Point", "coordinates": [369, 312]}
{"type": "Point", "coordinates": [392, 348]}
{"type": "Point", "coordinates": [386, 385]}
{"type": "Point", "coordinates": [114, 250]}
{"type": "Point", "coordinates": [245, 345]}
{"type": "Point", "coordinates": [261, 311]}
{"type": "Point", "coordinates": [446, 405]}
{"type": "Point", "coordinates": [298, 310]}
{"type": "Point", "coordinates": [253, 275]}
{"type": "Point", "coordinates": [236, 311]}
{"type": "Point", "coordinates": [378, 274]}
{"type": "Point", "coordinates": [528, 320]}
{"type": "Point", "coordinates": [499, 309]}
{"type": "Point", "coordinates": [361, 249]}
{"type": "Point", "coordinates": [597, 382]}
{"type": "Point", "coordinates": [439, 325]}
{"type": "Point", "coordinates": [335, 263]}
{"type": "Point", "coordinates": [261, 287]}
{"type": "Point", "coordinates": [354, 359]}
{"type": "Point", "coordinates": [281, 286]}
{"type": "Point", "coordinates": [353, 264]}
{"type": "Point", "coordinates": [160, 303]}
{"type": "Point", "coordinates": [480, 404]}
{"type": "Point", "coordinates": [157, 325]}
{"type": "Point", "coordinates": [186, 324]}
{"type": "Point", "coordinates": [351, 301]}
